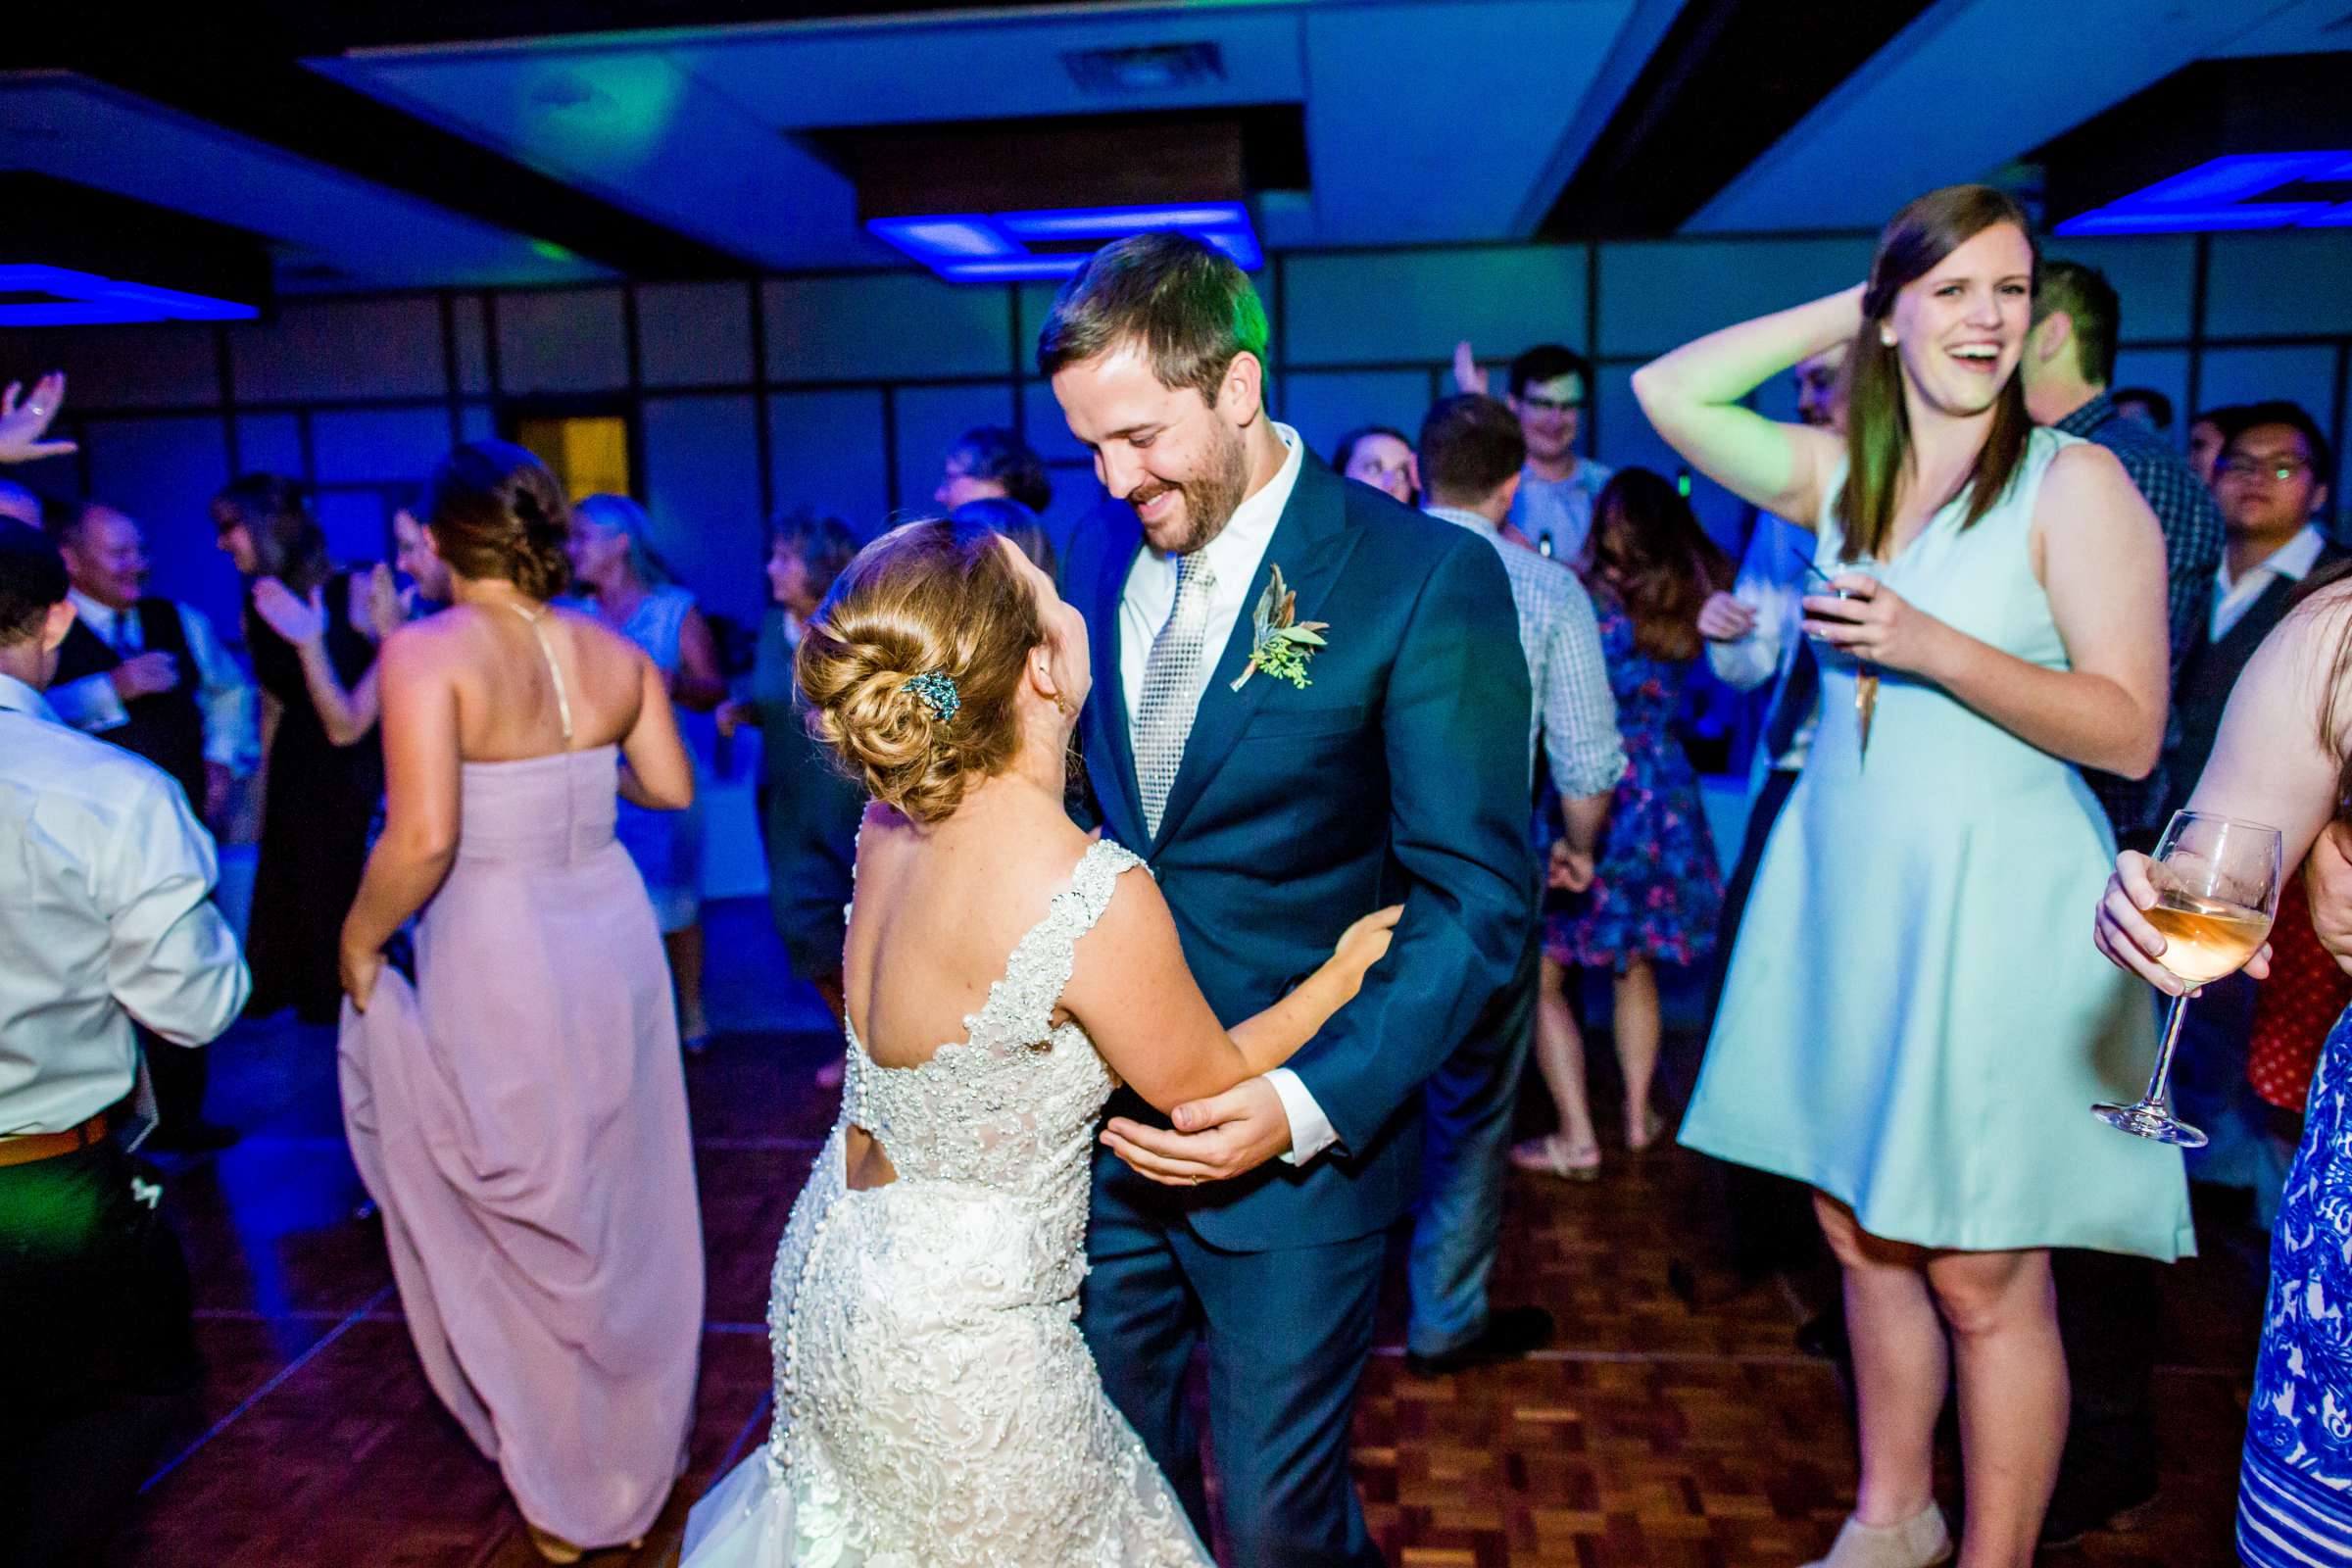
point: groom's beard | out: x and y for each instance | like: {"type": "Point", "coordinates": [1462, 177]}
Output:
{"type": "Point", "coordinates": [1210, 498]}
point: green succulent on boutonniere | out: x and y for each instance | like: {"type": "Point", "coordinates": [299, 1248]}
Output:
{"type": "Point", "coordinates": [1281, 643]}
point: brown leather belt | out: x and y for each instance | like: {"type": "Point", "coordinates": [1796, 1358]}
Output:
{"type": "Point", "coordinates": [31, 1147]}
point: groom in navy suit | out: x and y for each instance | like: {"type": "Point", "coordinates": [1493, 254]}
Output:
{"type": "Point", "coordinates": [1280, 787]}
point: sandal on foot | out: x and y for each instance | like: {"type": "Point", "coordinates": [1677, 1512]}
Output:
{"type": "Point", "coordinates": [1652, 1125]}
{"type": "Point", "coordinates": [1554, 1155]}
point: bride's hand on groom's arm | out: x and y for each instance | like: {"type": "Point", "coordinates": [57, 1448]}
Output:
{"type": "Point", "coordinates": [1214, 1140]}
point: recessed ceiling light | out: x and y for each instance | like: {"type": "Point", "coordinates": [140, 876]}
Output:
{"type": "Point", "coordinates": [1014, 247]}
{"type": "Point", "coordinates": [1144, 68]}
{"type": "Point", "coordinates": [2240, 192]}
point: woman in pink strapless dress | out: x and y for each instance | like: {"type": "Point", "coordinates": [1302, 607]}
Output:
{"type": "Point", "coordinates": [520, 1114]}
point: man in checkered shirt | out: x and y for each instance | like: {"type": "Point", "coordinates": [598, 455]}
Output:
{"type": "Point", "coordinates": [1471, 455]}
{"type": "Point", "coordinates": [2069, 360]}
{"type": "Point", "coordinates": [2109, 1468]}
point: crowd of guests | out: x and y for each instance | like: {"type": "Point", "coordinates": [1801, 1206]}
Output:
{"type": "Point", "coordinates": [1996, 627]}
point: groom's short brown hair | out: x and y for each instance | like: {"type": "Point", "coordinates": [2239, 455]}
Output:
{"type": "Point", "coordinates": [1186, 302]}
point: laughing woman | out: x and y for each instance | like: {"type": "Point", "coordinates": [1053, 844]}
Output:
{"type": "Point", "coordinates": [1908, 1025]}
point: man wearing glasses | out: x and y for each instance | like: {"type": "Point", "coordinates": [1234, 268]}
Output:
{"type": "Point", "coordinates": [1549, 386]}
{"type": "Point", "coordinates": [2272, 482]}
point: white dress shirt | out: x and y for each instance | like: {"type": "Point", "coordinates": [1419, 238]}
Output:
{"type": "Point", "coordinates": [1771, 582]}
{"type": "Point", "coordinates": [2291, 561]}
{"type": "Point", "coordinates": [105, 915]}
{"type": "Point", "coordinates": [1146, 602]}
{"type": "Point", "coordinates": [231, 737]}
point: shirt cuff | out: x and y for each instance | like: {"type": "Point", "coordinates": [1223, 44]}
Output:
{"type": "Point", "coordinates": [1310, 1130]}
{"type": "Point", "coordinates": [89, 705]}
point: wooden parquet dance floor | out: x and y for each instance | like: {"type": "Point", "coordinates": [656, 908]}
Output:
{"type": "Point", "coordinates": [1654, 1432]}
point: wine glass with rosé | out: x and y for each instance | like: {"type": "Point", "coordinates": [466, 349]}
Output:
{"type": "Point", "coordinates": [2216, 891]}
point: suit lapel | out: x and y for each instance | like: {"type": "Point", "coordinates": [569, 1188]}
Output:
{"type": "Point", "coordinates": [1114, 749]}
{"type": "Point", "coordinates": [1310, 544]}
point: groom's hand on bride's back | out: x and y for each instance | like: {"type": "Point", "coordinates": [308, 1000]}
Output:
{"type": "Point", "coordinates": [1214, 1140]}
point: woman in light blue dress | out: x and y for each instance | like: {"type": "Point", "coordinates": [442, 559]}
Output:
{"type": "Point", "coordinates": [1908, 1025]}
{"type": "Point", "coordinates": [636, 595]}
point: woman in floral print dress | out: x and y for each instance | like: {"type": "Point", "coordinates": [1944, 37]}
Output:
{"type": "Point", "coordinates": [1656, 891]}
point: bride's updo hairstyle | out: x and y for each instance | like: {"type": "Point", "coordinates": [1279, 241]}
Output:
{"type": "Point", "coordinates": [497, 513]}
{"type": "Point", "coordinates": [933, 599]}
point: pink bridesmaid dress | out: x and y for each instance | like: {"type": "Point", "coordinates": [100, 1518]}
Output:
{"type": "Point", "coordinates": [519, 1115]}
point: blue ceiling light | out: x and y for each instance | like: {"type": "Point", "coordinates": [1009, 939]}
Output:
{"type": "Point", "coordinates": [2244, 190]}
{"type": "Point", "coordinates": [1002, 247]}
{"type": "Point", "coordinates": [35, 295]}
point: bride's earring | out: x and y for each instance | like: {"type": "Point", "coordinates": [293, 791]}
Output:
{"type": "Point", "coordinates": [1886, 336]}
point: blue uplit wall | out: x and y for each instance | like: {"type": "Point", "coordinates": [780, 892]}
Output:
{"type": "Point", "coordinates": [847, 389]}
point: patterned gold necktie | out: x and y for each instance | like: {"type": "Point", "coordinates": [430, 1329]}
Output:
{"type": "Point", "coordinates": [1163, 720]}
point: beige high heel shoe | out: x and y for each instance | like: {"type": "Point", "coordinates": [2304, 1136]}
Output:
{"type": "Point", "coordinates": [1919, 1542]}
{"type": "Point", "coordinates": [554, 1547]}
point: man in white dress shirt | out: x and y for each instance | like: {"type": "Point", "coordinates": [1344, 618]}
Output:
{"type": "Point", "coordinates": [106, 916]}
{"type": "Point", "coordinates": [148, 675]}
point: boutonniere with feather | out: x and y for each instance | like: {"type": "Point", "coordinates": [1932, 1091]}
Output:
{"type": "Point", "coordinates": [1280, 643]}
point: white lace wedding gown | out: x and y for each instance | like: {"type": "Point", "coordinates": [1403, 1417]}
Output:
{"type": "Point", "coordinates": [935, 1405]}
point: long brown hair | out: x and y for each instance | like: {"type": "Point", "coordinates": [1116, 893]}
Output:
{"type": "Point", "coordinates": [1649, 550]}
{"type": "Point", "coordinates": [1878, 420]}
{"type": "Point", "coordinates": [276, 514]}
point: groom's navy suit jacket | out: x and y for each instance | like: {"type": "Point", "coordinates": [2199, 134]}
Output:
{"type": "Point", "coordinates": [1398, 775]}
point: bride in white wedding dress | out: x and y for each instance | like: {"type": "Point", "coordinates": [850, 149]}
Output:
{"type": "Point", "coordinates": [935, 1404]}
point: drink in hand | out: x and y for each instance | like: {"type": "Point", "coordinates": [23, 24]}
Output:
{"type": "Point", "coordinates": [2217, 887]}
{"type": "Point", "coordinates": [2205, 939]}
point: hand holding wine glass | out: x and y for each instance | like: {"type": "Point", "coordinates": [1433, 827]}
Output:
{"type": "Point", "coordinates": [2198, 912]}
{"type": "Point", "coordinates": [2123, 931]}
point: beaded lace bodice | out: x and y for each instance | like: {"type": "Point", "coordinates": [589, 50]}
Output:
{"type": "Point", "coordinates": [1013, 1107]}
{"type": "Point", "coordinates": [935, 1405]}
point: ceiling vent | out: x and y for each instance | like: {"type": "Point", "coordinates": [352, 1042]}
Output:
{"type": "Point", "coordinates": [1154, 67]}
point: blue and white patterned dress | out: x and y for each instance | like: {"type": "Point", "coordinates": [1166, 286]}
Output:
{"type": "Point", "coordinates": [2294, 1501]}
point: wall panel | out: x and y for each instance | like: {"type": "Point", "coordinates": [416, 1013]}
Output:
{"type": "Point", "coordinates": [2290, 281]}
{"type": "Point", "coordinates": [329, 349]}
{"type": "Point", "coordinates": [2154, 277]}
{"type": "Point", "coordinates": [884, 327]}
{"type": "Point", "coordinates": [931, 419]}
{"type": "Point", "coordinates": [826, 453]}
{"type": "Point", "coordinates": [378, 446]}
{"type": "Point", "coordinates": [117, 366]}
{"type": "Point", "coordinates": [269, 443]}
{"type": "Point", "coordinates": [2305, 375]}
{"type": "Point", "coordinates": [1325, 404]}
{"type": "Point", "coordinates": [1373, 305]}
{"type": "Point", "coordinates": [1658, 296]}
{"type": "Point", "coordinates": [695, 334]}
{"type": "Point", "coordinates": [701, 487]}
{"type": "Point", "coordinates": [2165, 370]}
{"type": "Point", "coordinates": [563, 340]}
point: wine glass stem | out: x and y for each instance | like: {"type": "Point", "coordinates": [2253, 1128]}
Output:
{"type": "Point", "coordinates": [2160, 1081]}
